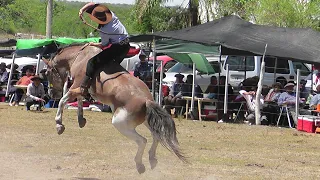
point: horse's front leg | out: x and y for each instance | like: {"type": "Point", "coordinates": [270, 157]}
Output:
{"type": "Point", "coordinates": [63, 101]}
{"type": "Point", "coordinates": [81, 120]}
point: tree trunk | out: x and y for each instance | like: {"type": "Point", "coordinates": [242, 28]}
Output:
{"type": "Point", "coordinates": [49, 19]}
{"type": "Point", "coordinates": [194, 12]}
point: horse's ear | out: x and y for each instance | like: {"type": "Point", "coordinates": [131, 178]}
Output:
{"type": "Point", "coordinates": [46, 61]}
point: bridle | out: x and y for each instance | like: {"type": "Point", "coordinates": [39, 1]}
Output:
{"type": "Point", "coordinates": [55, 71]}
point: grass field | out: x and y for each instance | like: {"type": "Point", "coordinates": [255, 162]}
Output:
{"type": "Point", "coordinates": [31, 149]}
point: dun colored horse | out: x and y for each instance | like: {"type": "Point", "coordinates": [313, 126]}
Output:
{"type": "Point", "coordinates": [128, 97]}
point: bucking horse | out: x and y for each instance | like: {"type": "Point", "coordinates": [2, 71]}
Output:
{"type": "Point", "coordinates": [129, 98]}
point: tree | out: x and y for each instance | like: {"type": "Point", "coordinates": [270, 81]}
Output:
{"type": "Point", "coordinates": [146, 11]}
{"type": "Point", "coordinates": [4, 3]}
{"type": "Point", "coordinates": [289, 13]}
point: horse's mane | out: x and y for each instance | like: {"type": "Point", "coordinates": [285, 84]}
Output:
{"type": "Point", "coordinates": [67, 46]}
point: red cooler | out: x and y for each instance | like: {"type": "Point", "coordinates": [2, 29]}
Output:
{"type": "Point", "coordinates": [210, 111]}
{"type": "Point", "coordinates": [308, 123]}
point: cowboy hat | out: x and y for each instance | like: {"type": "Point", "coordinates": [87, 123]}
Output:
{"type": "Point", "coordinates": [142, 54]}
{"type": "Point", "coordinates": [100, 14]}
{"type": "Point", "coordinates": [289, 84]}
{"type": "Point", "coordinates": [277, 84]}
{"type": "Point", "coordinates": [179, 76]}
{"type": "Point", "coordinates": [36, 77]}
{"type": "Point", "coordinates": [16, 66]}
{"type": "Point", "coordinates": [3, 65]}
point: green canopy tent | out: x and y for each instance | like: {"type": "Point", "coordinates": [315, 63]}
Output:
{"type": "Point", "coordinates": [188, 53]}
{"type": "Point", "coordinates": [27, 47]}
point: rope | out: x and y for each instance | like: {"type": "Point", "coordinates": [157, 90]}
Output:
{"type": "Point", "coordinates": [84, 21]}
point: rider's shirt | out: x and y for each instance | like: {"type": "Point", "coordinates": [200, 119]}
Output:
{"type": "Point", "coordinates": [113, 27]}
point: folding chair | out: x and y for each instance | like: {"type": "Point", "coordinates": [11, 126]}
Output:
{"type": "Point", "coordinates": [241, 108]}
{"type": "Point", "coordinates": [284, 107]}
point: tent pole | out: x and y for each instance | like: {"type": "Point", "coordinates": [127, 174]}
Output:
{"type": "Point", "coordinates": [153, 67]}
{"type": "Point", "coordinates": [221, 67]}
{"type": "Point", "coordinates": [38, 64]}
{"type": "Point", "coordinates": [297, 95]}
{"type": "Point", "coordinates": [275, 70]}
{"type": "Point", "coordinates": [225, 103]}
{"type": "Point", "coordinates": [245, 67]}
{"type": "Point", "coordinates": [10, 74]}
{"type": "Point", "coordinates": [160, 83]}
{"type": "Point", "coordinates": [258, 93]}
{"type": "Point", "coordinates": [312, 68]}
{"type": "Point", "coordinates": [127, 66]}
{"type": "Point", "coordinates": [192, 91]}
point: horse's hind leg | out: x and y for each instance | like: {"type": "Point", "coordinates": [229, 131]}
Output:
{"type": "Point", "coordinates": [152, 152]}
{"type": "Point", "coordinates": [122, 122]}
{"type": "Point", "coordinates": [81, 120]}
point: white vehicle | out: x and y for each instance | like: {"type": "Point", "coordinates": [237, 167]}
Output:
{"type": "Point", "coordinates": [202, 79]}
{"type": "Point", "coordinates": [241, 67]}
{"type": "Point", "coordinates": [130, 62]}
{"type": "Point", "coordinates": [23, 61]}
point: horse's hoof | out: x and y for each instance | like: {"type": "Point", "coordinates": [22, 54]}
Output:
{"type": "Point", "coordinates": [140, 168]}
{"type": "Point", "coordinates": [153, 162]}
{"type": "Point", "coordinates": [82, 122]}
{"type": "Point", "coordinates": [60, 128]}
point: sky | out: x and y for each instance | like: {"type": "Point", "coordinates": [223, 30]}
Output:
{"type": "Point", "coordinates": [170, 2]}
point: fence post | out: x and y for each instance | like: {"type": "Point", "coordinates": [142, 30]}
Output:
{"type": "Point", "coordinates": [10, 74]}
{"type": "Point", "coordinates": [297, 95]}
{"type": "Point", "coordinates": [225, 103]}
{"type": "Point", "coordinates": [160, 83]}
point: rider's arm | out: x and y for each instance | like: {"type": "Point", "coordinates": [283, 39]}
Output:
{"type": "Point", "coordinates": [85, 7]}
{"type": "Point", "coordinates": [96, 44]}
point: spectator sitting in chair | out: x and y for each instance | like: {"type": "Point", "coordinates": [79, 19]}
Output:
{"type": "Point", "coordinates": [187, 88]}
{"type": "Point", "coordinates": [288, 98]}
{"type": "Point", "coordinates": [35, 93]}
{"type": "Point", "coordinates": [250, 97]}
{"type": "Point", "coordinates": [270, 107]}
{"type": "Point", "coordinates": [304, 93]}
{"type": "Point", "coordinates": [212, 88]}
{"type": "Point", "coordinates": [15, 73]}
{"type": "Point", "coordinates": [220, 96]}
{"type": "Point", "coordinates": [174, 99]}
{"type": "Point", "coordinates": [187, 91]}
{"type": "Point", "coordinates": [3, 77]}
{"type": "Point", "coordinates": [18, 93]}
{"type": "Point", "coordinates": [315, 100]}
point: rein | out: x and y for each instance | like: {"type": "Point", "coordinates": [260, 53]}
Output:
{"type": "Point", "coordinates": [54, 63]}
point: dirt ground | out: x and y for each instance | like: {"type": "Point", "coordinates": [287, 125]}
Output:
{"type": "Point", "coordinates": [30, 148]}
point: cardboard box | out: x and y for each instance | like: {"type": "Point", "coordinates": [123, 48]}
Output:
{"type": "Point", "coordinates": [308, 123]}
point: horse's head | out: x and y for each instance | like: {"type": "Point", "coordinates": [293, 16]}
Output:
{"type": "Point", "coordinates": [56, 78]}
{"type": "Point", "coordinates": [58, 67]}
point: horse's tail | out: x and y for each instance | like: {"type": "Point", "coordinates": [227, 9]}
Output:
{"type": "Point", "coordinates": [163, 128]}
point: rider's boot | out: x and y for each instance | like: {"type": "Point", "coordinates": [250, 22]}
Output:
{"type": "Point", "coordinates": [83, 89]}
{"type": "Point", "coordinates": [85, 86]}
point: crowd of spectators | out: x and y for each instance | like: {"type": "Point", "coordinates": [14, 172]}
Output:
{"type": "Point", "coordinates": [24, 83]}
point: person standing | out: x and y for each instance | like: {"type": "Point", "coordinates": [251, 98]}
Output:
{"type": "Point", "coordinates": [142, 69]}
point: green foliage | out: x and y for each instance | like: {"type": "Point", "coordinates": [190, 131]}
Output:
{"type": "Point", "coordinates": [4, 3]}
{"type": "Point", "coordinates": [283, 13]}
{"type": "Point", "coordinates": [159, 18]}
{"type": "Point", "coordinates": [29, 16]}
{"type": "Point", "coordinates": [290, 13]}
